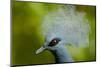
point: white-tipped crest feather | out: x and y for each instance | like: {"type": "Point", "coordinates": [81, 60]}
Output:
{"type": "Point", "coordinates": [68, 24]}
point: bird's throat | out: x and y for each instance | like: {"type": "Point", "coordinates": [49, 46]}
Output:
{"type": "Point", "coordinates": [61, 55]}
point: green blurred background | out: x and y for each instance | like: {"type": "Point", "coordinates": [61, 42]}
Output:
{"type": "Point", "coordinates": [26, 37]}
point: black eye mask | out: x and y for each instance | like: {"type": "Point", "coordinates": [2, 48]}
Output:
{"type": "Point", "coordinates": [54, 42]}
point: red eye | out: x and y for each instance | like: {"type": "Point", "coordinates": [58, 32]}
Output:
{"type": "Point", "coordinates": [54, 42]}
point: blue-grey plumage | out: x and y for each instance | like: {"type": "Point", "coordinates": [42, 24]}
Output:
{"type": "Point", "coordinates": [62, 55]}
{"type": "Point", "coordinates": [62, 27]}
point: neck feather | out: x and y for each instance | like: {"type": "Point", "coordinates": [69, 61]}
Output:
{"type": "Point", "coordinates": [61, 55]}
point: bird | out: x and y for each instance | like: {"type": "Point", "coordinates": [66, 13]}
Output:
{"type": "Point", "coordinates": [62, 27]}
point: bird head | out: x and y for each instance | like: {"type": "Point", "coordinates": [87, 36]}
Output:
{"type": "Point", "coordinates": [64, 26]}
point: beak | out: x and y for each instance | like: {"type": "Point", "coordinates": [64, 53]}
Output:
{"type": "Point", "coordinates": [41, 49]}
